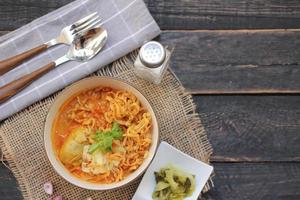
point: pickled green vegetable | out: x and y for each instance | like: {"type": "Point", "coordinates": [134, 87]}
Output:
{"type": "Point", "coordinates": [173, 184]}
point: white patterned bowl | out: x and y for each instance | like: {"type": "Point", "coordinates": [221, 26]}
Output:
{"type": "Point", "coordinates": [75, 88]}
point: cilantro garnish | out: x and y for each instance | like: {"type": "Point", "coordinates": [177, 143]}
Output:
{"type": "Point", "coordinates": [104, 139]}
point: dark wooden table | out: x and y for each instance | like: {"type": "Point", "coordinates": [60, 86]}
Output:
{"type": "Point", "coordinates": [241, 61]}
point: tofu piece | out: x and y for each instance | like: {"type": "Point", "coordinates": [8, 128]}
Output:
{"type": "Point", "coordinates": [71, 151]}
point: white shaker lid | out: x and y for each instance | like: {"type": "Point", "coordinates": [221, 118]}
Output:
{"type": "Point", "coordinates": [152, 54]}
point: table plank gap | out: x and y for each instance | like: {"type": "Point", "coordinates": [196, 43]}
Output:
{"type": "Point", "coordinates": [246, 128]}
{"type": "Point", "coordinates": [235, 181]}
{"type": "Point", "coordinates": [244, 91]}
{"type": "Point", "coordinates": [178, 14]}
{"type": "Point", "coordinates": [248, 62]}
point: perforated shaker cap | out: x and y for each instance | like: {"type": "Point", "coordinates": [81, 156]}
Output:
{"type": "Point", "coordinates": [152, 54]}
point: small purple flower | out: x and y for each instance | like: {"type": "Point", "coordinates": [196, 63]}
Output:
{"type": "Point", "coordinates": [58, 198]}
{"type": "Point", "coordinates": [48, 187]}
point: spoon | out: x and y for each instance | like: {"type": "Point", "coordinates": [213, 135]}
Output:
{"type": "Point", "coordinates": [83, 48]}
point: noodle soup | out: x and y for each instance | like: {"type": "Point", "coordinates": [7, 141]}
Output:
{"type": "Point", "coordinates": [102, 135]}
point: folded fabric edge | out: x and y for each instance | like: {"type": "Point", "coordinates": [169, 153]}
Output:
{"type": "Point", "coordinates": [154, 33]}
{"type": "Point", "coordinates": [7, 115]}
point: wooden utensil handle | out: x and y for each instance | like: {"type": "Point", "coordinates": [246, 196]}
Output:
{"type": "Point", "coordinates": [14, 87]}
{"type": "Point", "coordinates": [12, 62]}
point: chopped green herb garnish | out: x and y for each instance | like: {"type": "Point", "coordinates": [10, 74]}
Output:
{"type": "Point", "coordinates": [116, 131]}
{"type": "Point", "coordinates": [104, 139]}
{"type": "Point", "coordinates": [94, 147]}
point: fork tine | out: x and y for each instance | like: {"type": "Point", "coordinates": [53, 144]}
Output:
{"type": "Point", "coordinates": [85, 24]}
{"type": "Point", "coordinates": [83, 20]}
{"type": "Point", "coordinates": [91, 25]}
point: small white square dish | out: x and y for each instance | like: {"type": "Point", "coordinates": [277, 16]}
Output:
{"type": "Point", "coordinates": [167, 154]}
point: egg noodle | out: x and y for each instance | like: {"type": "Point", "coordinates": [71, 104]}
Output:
{"type": "Point", "coordinates": [96, 110]}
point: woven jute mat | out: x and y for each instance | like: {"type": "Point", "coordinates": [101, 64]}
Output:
{"type": "Point", "coordinates": [21, 136]}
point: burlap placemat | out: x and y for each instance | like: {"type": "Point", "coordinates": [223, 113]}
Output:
{"type": "Point", "coordinates": [21, 136]}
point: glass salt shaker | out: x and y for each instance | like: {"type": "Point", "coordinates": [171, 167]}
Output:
{"type": "Point", "coordinates": [152, 61]}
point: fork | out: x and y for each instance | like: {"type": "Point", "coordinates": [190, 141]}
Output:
{"type": "Point", "coordinates": [66, 36]}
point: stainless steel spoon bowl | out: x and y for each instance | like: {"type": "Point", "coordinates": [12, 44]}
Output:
{"type": "Point", "coordinates": [86, 46]}
{"type": "Point", "coordinates": [83, 48]}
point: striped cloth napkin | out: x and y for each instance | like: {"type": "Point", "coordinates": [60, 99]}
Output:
{"type": "Point", "coordinates": [128, 23]}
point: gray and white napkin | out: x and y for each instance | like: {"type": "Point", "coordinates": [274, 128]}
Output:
{"type": "Point", "coordinates": [128, 23]}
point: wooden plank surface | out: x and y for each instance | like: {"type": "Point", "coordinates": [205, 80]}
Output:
{"type": "Point", "coordinates": [234, 181]}
{"type": "Point", "coordinates": [253, 181]}
{"type": "Point", "coordinates": [252, 128]}
{"type": "Point", "coordinates": [255, 141]}
{"type": "Point", "coordinates": [255, 138]}
{"type": "Point", "coordinates": [225, 14]}
{"type": "Point", "coordinates": [178, 14]}
{"type": "Point", "coordinates": [9, 189]}
{"type": "Point", "coordinates": [228, 61]}
{"type": "Point", "coordinates": [14, 14]}
{"type": "Point", "coordinates": [259, 129]}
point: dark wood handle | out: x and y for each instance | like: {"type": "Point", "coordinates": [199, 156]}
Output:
{"type": "Point", "coordinates": [14, 87]}
{"type": "Point", "coordinates": [10, 63]}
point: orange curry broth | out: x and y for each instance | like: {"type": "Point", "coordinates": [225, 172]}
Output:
{"type": "Point", "coordinates": [98, 104]}
{"type": "Point", "coordinates": [63, 125]}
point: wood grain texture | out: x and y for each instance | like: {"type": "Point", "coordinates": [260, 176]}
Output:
{"type": "Point", "coordinates": [233, 181]}
{"type": "Point", "coordinates": [257, 181]}
{"type": "Point", "coordinates": [178, 14]}
{"type": "Point", "coordinates": [252, 128]}
{"type": "Point", "coordinates": [11, 63]}
{"type": "Point", "coordinates": [8, 185]}
{"type": "Point", "coordinates": [246, 91]}
{"type": "Point", "coordinates": [9, 90]}
{"type": "Point", "coordinates": [231, 62]}
{"type": "Point", "coordinates": [255, 138]}
{"type": "Point", "coordinates": [225, 14]}
{"type": "Point", "coordinates": [14, 14]}
{"type": "Point", "coordinates": [236, 60]}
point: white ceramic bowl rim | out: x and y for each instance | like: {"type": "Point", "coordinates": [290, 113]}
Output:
{"type": "Point", "coordinates": [79, 86]}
